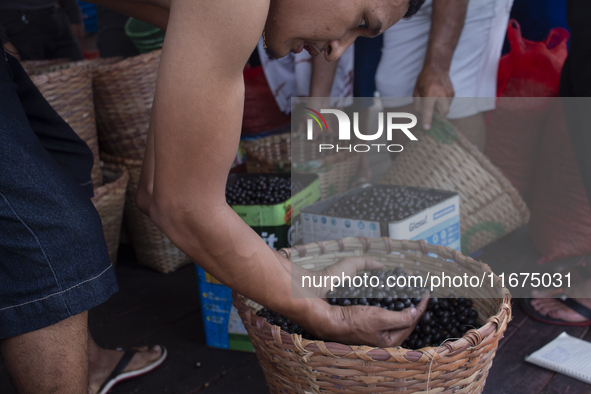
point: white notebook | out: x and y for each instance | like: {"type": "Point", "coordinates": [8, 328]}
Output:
{"type": "Point", "coordinates": [565, 354]}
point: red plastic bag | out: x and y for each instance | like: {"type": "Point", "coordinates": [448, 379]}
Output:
{"type": "Point", "coordinates": [532, 69]}
{"type": "Point", "coordinates": [528, 76]}
{"type": "Point", "coordinates": [560, 224]}
{"type": "Point", "coordinates": [261, 112]}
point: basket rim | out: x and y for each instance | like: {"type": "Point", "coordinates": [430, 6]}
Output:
{"type": "Point", "coordinates": [495, 324]}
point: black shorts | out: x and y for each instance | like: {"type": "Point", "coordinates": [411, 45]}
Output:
{"type": "Point", "coordinates": [53, 258]}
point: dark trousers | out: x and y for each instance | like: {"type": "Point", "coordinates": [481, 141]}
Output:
{"type": "Point", "coordinates": [41, 34]}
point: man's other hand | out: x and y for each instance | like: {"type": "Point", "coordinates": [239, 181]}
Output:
{"type": "Point", "coordinates": [368, 325]}
{"type": "Point", "coordinates": [433, 91]}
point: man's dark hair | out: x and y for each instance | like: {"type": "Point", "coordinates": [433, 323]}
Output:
{"type": "Point", "coordinates": [413, 7]}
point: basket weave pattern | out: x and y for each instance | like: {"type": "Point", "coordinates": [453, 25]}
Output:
{"type": "Point", "coordinates": [109, 200]}
{"type": "Point", "coordinates": [273, 154]}
{"type": "Point", "coordinates": [123, 98]}
{"type": "Point", "coordinates": [152, 248]}
{"type": "Point", "coordinates": [69, 91]}
{"type": "Point", "coordinates": [295, 365]}
{"type": "Point", "coordinates": [490, 207]}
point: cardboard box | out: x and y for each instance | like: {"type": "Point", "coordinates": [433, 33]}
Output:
{"type": "Point", "coordinates": [438, 224]}
{"type": "Point", "coordinates": [279, 225]}
{"type": "Point", "coordinates": [223, 327]}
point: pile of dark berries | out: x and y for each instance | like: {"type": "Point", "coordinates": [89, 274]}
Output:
{"type": "Point", "coordinates": [444, 318]}
{"type": "Point", "coordinates": [385, 203]}
{"type": "Point", "coordinates": [261, 190]}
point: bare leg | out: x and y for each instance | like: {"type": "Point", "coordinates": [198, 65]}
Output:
{"type": "Point", "coordinates": [473, 128]}
{"type": "Point", "coordinates": [53, 359]}
{"type": "Point", "coordinates": [103, 361]}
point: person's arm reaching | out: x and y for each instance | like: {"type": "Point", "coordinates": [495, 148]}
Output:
{"type": "Point", "coordinates": [434, 89]}
{"type": "Point", "coordinates": [321, 80]}
{"type": "Point", "coordinates": [323, 73]}
{"type": "Point", "coordinates": [195, 130]}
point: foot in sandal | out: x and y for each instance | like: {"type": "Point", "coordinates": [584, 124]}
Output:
{"type": "Point", "coordinates": [109, 367]}
{"type": "Point", "coordinates": [562, 310]}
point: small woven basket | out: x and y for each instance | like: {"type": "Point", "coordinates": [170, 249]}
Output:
{"type": "Point", "coordinates": [69, 91]}
{"type": "Point", "coordinates": [109, 200]}
{"type": "Point", "coordinates": [123, 98]}
{"type": "Point", "coordinates": [273, 154]}
{"type": "Point", "coordinates": [152, 248]}
{"type": "Point", "coordinates": [490, 207]}
{"type": "Point", "coordinates": [295, 365]}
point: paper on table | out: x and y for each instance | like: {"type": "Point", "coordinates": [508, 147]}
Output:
{"type": "Point", "coordinates": [565, 354]}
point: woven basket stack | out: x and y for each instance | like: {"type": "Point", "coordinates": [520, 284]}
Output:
{"type": "Point", "coordinates": [490, 207]}
{"type": "Point", "coordinates": [121, 92]}
{"type": "Point", "coordinates": [67, 86]}
{"type": "Point", "coordinates": [295, 365]}
{"type": "Point", "coordinates": [109, 200]}
{"type": "Point", "coordinates": [123, 98]}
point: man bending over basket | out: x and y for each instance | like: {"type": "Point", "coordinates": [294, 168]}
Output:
{"type": "Point", "coordinates": [194, 134]}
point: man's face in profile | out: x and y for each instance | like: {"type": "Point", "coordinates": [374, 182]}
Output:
{"type": "Point", "coordinates": [327, 25]}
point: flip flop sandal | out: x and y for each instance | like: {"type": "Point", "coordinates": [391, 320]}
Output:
{"type": "Point", "coordinates": [569, 302]}
{"type": "Point", "coordinates": [118, 375]}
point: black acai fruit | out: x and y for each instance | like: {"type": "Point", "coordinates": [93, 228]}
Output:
{"type": "Point", "coordinates": [261, 190]}
{"type": "Point", "coordinates": [389, 204]}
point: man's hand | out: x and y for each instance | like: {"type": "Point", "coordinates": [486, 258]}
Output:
{"type": "Point", "coordinates": [360, 325]}
{"type": "Point", "coordinates": [433, 91]}
{"type": "Point", "coordinates": [370, 325]}
{"type": "Point", "coordinates": [433, 84]}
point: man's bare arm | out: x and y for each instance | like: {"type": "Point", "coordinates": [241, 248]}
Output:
{"type": "Point", "coordinates": [447, 23]}
{"type": "Point", "coordinates": [196, 123]}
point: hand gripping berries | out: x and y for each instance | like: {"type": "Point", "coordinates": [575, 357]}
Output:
{"type": "Point", "coordinates": [444, 318]}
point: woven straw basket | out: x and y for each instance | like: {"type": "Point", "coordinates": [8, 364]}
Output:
{"type": "Point", "coordinates": [152, 247]}
{"type": "Point", "coordinates": [109, 200]}
{"type": "Point", "coordinates": [69, 91]}
{"type": "Point", "coordinates": [273, 154]}
{"type": "Point", "coordinates": [295, 365]}
{"type": "Point", "coordinates": [490, 207]}
{"type": "Point", "coordinates": [123, 97]}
